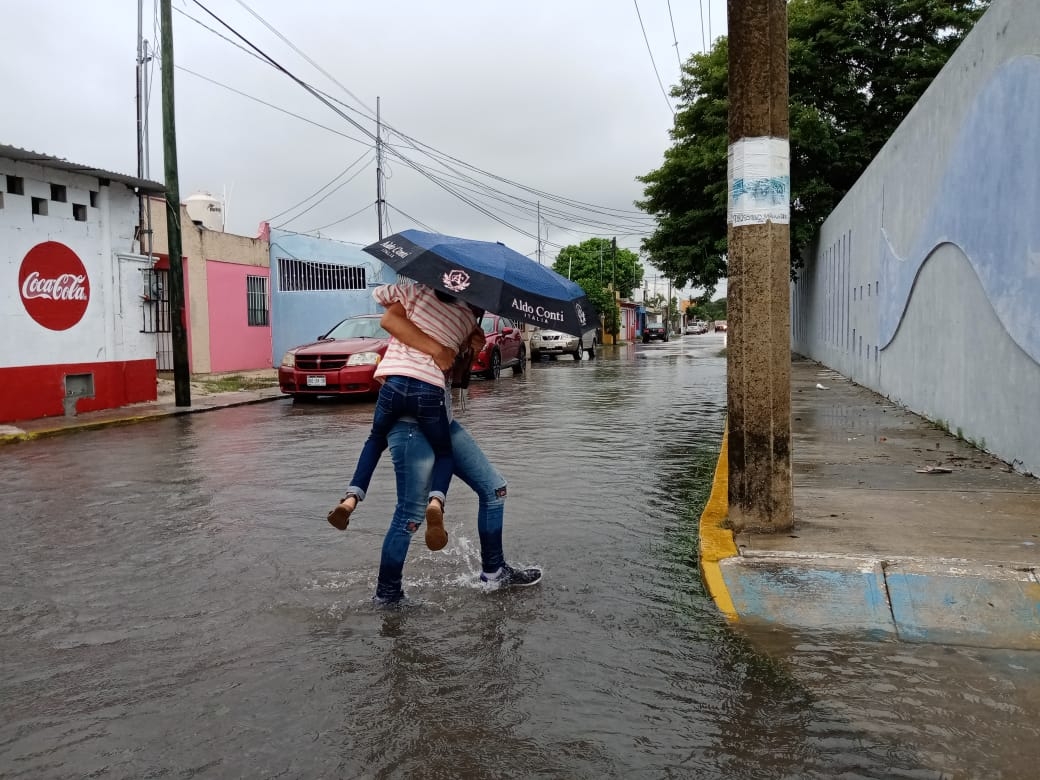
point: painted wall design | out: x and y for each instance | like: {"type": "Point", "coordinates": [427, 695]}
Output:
{"type": "Point", "coordinates": [924, 284]}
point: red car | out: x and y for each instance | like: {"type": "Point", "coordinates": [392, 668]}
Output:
{"type": "Point", "coordinates": [341, 362]}
{"type": "Point", "coordinates": [503, 348]}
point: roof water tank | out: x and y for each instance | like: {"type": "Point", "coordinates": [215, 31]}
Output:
{"type": "Point", "coordinates": [206, 210]}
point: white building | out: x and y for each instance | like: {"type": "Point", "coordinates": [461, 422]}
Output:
{"type": "Point", "coordinates": [73, 300]}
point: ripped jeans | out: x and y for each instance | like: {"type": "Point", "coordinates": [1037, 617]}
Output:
{"type": "Point", "coordinates": [413, 459]}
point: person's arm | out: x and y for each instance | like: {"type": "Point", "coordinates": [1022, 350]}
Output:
{"type": "Point", "coordinates": [395, 322]}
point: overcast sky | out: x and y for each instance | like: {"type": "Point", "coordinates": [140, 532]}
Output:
{"type": "Point", "coordinates": [560, 96]}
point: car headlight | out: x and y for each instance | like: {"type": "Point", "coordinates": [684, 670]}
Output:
{"type": "Point", "coordinates": [289, 359]}
{"type": "Point", "coordinates": [364, 359]}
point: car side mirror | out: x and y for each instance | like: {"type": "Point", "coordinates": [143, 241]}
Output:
{"type": "Point", "coordinates": [507, 331]}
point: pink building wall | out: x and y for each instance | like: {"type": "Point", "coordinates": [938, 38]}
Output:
{"type": "Point", "coordinates": [234, 344]}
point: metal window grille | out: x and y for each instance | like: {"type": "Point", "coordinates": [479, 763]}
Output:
{"type": "Point", "coordinates": [302, 275]}
{"type": "Point", "coordinates": [256, 301]}
{"type": "Point", "coordinates": [156, 311]}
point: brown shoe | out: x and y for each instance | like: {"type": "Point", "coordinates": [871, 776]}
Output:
{"type": "Point", "coordinates": [340, 516]}
{"type": "Point", "coordinates": [436, 536]}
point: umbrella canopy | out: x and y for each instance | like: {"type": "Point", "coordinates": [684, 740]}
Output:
{"type": "Point", "coordinates": [489, 275]}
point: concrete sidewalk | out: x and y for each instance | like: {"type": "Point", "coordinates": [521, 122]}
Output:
{"type": "Point", "coordinates": [202, 400]}
{"type": "Point", "coordinates": [901, 528]}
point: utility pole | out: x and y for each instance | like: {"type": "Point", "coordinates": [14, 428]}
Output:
{"type": "Point", "coordinates": [380, 202]}
{"type": "Point", "coordinates": [539, 228]}
{"type": "Point", "coordinates": [178, 326]}
{"type": "Point", "coordinates": [759, 341]}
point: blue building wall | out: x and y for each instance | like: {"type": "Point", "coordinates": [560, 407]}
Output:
{"type": "Point", "coordinates": [300, 316]}
{"type": "Point", "coordinates": [925, 282]}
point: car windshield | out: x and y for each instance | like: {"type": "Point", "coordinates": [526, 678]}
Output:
{"type": "Point", "coordinates": [358, 327]}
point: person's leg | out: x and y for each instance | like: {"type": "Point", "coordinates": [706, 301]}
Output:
{"type": "Point", "coordinates": [387, 412]}
{"type": "Point", "coordinates": [432, 414]}
{"type": "Point", "coordinates": [473, 468]}
{"type": "Point", "coordinates": [413, 461]}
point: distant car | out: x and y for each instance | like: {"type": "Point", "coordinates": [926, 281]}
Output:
{"type": "Point", "coordinates": [655, 331]}
{"type": "Point", "coordinates": [503, 348]}
{"type": "Point", "coordinates": [554, 342]}
{"type": "Point", "coordinates": [341, 362]}
{"type": "Point", "coordinates": [696, 328]}
{"type": "Point", "coordinates": [720, 326]}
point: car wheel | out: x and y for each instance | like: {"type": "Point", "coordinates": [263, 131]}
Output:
{"type": "Point", "coordinates": [646, 339]}
{"type": "Point", "coordinates": [579, 350]}
{"type": "Point", "coordinates": [495, 366]}
{"type": "Point", "coordinates": [521, 362]}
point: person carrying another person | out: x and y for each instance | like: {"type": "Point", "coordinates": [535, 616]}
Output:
{"type": "Point", "coordinates": [414, 385]}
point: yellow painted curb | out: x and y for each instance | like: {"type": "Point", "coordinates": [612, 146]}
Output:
{"type": "Point", "coordinates": [716, 541]}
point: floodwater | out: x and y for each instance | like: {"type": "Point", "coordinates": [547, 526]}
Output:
{"type": "Point", "coordinates": [173, 604]}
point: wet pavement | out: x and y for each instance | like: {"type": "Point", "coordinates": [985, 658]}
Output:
{"type": "Point", "coordinates": [173, 603]}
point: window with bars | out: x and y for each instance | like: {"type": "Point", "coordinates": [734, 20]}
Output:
{"type": "Point", "coordinates": [256, 301]}
{"type": "Point", "coordinates": [302, 275]}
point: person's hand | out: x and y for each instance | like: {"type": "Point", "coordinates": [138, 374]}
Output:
{"type": "Point", "coordinates": [445, 358]}
{"type": "Point", "coordinates": [477, 339]}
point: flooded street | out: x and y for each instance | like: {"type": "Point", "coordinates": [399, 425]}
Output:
{"type": "Point", "coordinates": [174, 604]}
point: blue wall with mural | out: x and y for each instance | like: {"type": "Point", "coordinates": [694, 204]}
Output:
{"type": "Point", "coordinates": [925, 282]}
{"type": "Point", "coordinates": [303, 268]}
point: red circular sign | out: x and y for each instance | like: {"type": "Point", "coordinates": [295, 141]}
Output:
{"type": "Point", "coordinates": [54, 285]}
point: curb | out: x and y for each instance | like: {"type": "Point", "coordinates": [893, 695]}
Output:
{"type": "Point", "coordinates": [909, 599]}
{"type": "Point", "coordinates": [716, 541]}
{"type": "Point", "coordinates": [131, 419]}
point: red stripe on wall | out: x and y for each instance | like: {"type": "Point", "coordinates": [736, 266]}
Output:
{"type": "Point", "coordinates": [30, 392]}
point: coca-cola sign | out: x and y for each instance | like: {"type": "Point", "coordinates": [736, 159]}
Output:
{"type": "Point", "coordinates": [54, 286]}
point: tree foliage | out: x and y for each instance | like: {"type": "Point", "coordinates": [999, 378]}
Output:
{"type": "Point", "coordinates": [856, 68]}
{"type": "Point", "coordinates": [600, 267]}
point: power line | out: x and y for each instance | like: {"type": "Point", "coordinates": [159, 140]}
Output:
{"type": "Point", "coordinates": [327, 195]}
{"type": "Point", "coordinates": [341, 173]}
{"type": "Point", "coordinates": [675, 38]}
{"type": "Point", "coordinates": [650, 51]}
{"type": "Point", "coordinates": [343, 219]}
{"type": "Point", "coordinates": [327, 100]}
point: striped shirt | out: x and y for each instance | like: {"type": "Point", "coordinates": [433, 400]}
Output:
{"type": "Point", "coordinates": [449, 323]}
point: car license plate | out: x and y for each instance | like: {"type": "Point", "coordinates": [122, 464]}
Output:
{"type": "Point", "coordinates": [315, 381]}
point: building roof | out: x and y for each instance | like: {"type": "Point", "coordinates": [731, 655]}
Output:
{"type": "Point", "coordinates": [47, 161]}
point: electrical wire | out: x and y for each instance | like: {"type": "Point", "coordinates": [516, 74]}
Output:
{"type": "Point", "coordinates": [429, 151]}
{"type": "Point", "coordinates": [675, 38]}
{"type": "Point", "coordinates": [651, 53]}
{"type": "Point", "coordinates": [343, 219]}
{"type": "Point", "coordinates": [321, 200]}
{"type": "Point", "coordinates": [337, 176]}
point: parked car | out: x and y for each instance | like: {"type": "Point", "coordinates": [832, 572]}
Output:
{"type": "Point", "coordinates": [655, 330]}
{"type": "Point", "coordinates": [341, 362]}
{"type": "Point", "coordinates": [696, 328]}
{"type": "Point", "coordinates": [503, 348]}
{"type": "Point", "coordinates": [552, 342]}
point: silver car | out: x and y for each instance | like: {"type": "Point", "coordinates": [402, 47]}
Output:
{"type": "Point", "coordinates": [553, 342]}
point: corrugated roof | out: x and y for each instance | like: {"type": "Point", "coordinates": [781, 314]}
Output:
{"type": "Point", "coordinates": [48, 161]}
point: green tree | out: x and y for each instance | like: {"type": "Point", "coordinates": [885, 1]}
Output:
{"type": "Point", "coordinates": [600, 268]}
{"type": "Point", "coordinates": [857, 67]}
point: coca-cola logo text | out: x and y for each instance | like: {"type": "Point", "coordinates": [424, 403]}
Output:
{"type": "Point", "coordinates": [54, 286]}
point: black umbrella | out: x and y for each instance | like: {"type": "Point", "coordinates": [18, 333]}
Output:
{"type": "Point", "coordinates": [489, 275]}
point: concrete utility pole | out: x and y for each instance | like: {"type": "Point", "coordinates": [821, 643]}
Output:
{"type": "Point", "coordinates": [178, 326]}
{"type": "Point", "coordinates": [759, 340]}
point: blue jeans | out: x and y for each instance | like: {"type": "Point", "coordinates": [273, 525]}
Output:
{"type": "Point", "coordinates": [402, 396]}
{"type": "Point", "coordinates": [413, 464]}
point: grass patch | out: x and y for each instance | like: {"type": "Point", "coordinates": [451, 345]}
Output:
{"type": "Point", "coordinates": [229, 384]}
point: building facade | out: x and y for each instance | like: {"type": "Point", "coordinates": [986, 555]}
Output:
{"type": "Point", "coordinates": [226, 291]}
{"type": "Point", "coordinates": [315, 283]}
{"type": "Point", "coordinates": [71, 289]}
